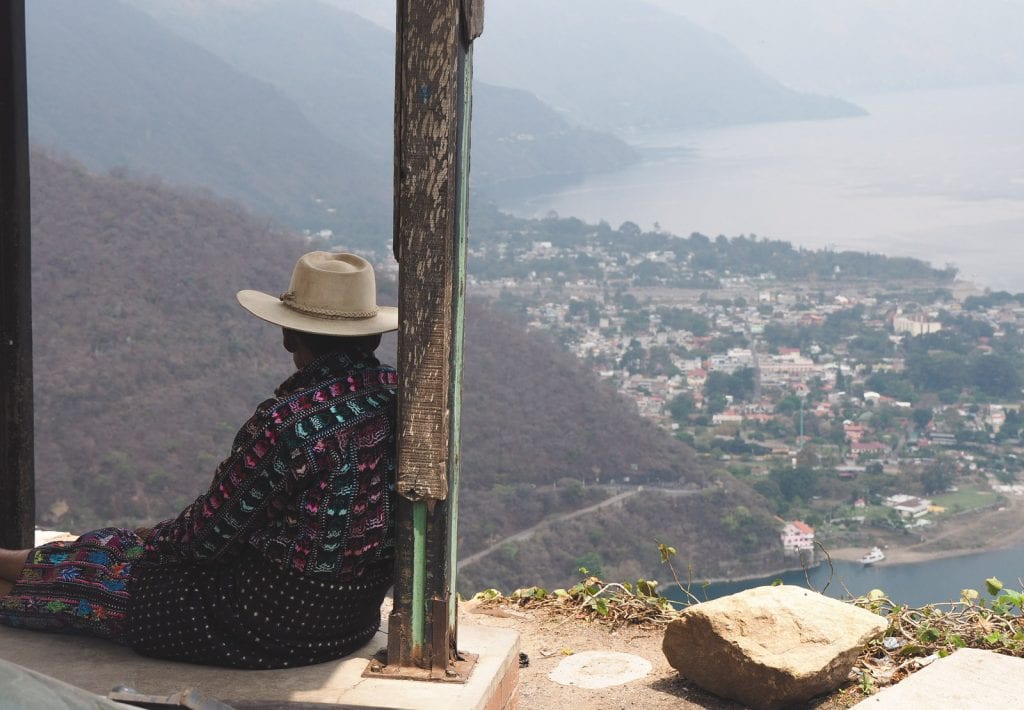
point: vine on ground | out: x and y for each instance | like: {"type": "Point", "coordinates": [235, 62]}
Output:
{"type": "Point", "coordinates": [914, 638]}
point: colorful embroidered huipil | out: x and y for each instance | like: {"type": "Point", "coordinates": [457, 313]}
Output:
{"type": "Point", "coordinates": [286, 558]}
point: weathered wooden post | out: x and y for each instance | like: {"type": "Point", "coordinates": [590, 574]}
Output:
{"type": "Point", "coordinates": [433, 77]}
{"type": "Point", "coordinates": [17, 482]}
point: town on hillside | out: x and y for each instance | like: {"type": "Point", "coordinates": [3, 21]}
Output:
{"type": "Point", "coordinates": [862, 396]}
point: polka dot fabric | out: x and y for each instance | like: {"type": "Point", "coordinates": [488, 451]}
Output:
{"type": "Point", "coordinates": [254, 615]}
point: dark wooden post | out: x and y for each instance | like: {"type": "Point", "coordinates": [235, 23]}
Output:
{"type": "Point", "coordinates": [433, 77]}
{"type": "Point", "coordinates": [17, 482]}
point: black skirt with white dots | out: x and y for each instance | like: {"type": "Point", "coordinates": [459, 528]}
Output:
{"type": "Point", "coordinates": [250, 613]}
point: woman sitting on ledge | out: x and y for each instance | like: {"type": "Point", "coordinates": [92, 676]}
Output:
{"type": "Point", "coordinates": [286, 559]}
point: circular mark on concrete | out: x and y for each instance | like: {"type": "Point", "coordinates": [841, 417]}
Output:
{"type": "Point", "coordinates": [600, 669]}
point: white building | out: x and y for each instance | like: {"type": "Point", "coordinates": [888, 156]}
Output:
{"type": "Point", "coordinates": [915, 324]}
{"type": "Point", "coordinates": [735, 359]}
{"type": "Point", "coordinates": [796, 536]}
{"type": "Point", "coordinates": [908, 506]}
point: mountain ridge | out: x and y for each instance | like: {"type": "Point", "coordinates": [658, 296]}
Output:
{"type": "Point", "coordinates": [309, 142]}
{"type": "Point", "coordinates": [145, 366]}
{"type": "Point", "coordinates": [630, 67]}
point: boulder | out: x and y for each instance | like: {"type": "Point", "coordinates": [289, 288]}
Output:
{"type": "Point", "coordinates": [770, 647]}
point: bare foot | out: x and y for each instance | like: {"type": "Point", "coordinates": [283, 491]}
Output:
{"type": "Point", "coordinates": [11, 564]}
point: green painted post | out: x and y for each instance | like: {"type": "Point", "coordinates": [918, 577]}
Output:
{"type": "Point", "coordinates": [433, 107]}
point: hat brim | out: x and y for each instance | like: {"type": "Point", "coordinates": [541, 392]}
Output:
{"type": "Point", "coordinates": [273, 310]}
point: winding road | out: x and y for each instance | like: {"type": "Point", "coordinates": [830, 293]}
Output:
{"type": "Point", "coordinates": [527, 533]}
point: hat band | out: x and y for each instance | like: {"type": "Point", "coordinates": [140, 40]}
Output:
{"type": "Point", "coordinates": [289, 300]}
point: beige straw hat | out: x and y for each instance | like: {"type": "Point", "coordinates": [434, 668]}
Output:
{"type": "Point", "coordinates": [330, 294]}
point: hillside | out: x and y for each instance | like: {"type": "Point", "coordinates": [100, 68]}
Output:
{"type": "Point", "coordinates": [631, 67]}
{"type": "Point", "coordinates": [285, 107]}
{"type": "Point", "coordinates": [145, 366]}
{"type": "Point", "coordinates": [112, 88]}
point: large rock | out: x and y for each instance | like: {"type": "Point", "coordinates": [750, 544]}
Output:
{"type": "Point", "coordinates": [769, 647]}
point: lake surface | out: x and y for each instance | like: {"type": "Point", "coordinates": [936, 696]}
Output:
{"type": "Point", "coordinates": [937, 175]}
{"type": "Point", "coordinates": [915, 584]}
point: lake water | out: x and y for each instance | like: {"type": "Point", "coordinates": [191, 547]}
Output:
{"type": "Point", "coordinates": [934, 174]}
{"type": "Point", "coordinates": [916, 584]}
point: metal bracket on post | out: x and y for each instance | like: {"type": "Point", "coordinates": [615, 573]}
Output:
{"type": "Point", "coordinates": [433, 107]}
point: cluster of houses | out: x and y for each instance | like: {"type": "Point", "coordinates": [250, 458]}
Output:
{"type": "Point", "coordinates": [680, 361]}
{"type": "Point", "coordinates": [628, 331]}
{"type": "Point", "coordinates": [797, 537]}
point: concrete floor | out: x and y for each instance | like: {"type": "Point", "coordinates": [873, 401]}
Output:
{"type": "Point", "coordinates": [99, 666]}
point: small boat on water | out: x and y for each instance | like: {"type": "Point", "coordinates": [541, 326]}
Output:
{"type": "Point", "coordinates": [874, 555]}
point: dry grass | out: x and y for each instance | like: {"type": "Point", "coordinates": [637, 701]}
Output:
{"type": "Point", "coordinates": [915, 636]}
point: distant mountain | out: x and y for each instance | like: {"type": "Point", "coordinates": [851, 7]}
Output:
{"type": "Point", "coordinates": [867, 46]}
{"type": "Point", "coordinates": [338, 68]}
{"type": "Point", "coordinates": [519, 139]}
{"type": "Point", "coordinates": [145, 366]}
{"type": "Point", "coordinates": [380, 12]}
{"type": "Point", "coordinates": [627, 66]}
{"type": "Point", "coordinates": [111, 87]}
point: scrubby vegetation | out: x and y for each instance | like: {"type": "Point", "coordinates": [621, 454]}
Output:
{"type": "Point", "coordinates": [915, 637]}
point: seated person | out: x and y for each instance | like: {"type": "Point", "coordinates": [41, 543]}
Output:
{"type": "Point", "coordinates": [286, 558]}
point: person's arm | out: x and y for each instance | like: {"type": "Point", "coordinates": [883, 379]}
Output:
{"type": "Point", "coordinates": [245, 484]}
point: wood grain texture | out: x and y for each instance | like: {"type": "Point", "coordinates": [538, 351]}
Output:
{"type": "Point", "coordinates": [472, 19]}
{"type": "Point", "coordinates": [425, 212]}
{"type": "Point", "coordinates": [17, 473]}
{"type": "Point", "coordinates": [433, 103]}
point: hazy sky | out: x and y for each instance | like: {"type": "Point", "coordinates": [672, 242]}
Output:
{"type": "Point", "coordinates": [836, 47]}
{"type": "Point", "coordinates": [860, 46]}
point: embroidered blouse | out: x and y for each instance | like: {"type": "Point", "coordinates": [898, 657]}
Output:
{"type": "Point", "coordinates": [286, 557]}
{"type": "Point", "coordinates": [309, 481]}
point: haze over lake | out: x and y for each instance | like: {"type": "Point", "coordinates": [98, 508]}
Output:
{"type": "Point", "coordinates": [933, 174]}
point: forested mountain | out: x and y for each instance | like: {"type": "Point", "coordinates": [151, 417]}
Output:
{"type": "Point", "coordinates": [145, 366]}
{"type": "Point", "coordinates": [626, 66]}
{"type": "Point", "coordinates": [338, 68]}
{"type": "Point", "coordinates": [286, 107]}
{"type": "Point", "coordinates": [112, 88]}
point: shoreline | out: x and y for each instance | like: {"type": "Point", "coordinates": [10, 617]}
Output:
{"type": "Point", "coordinates": [995, 529]}
{"type": "Point", "coordinates": [991, 529]}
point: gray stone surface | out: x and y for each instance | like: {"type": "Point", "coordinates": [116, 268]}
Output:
{"type": "Point", "coordinates": [966, 680]}
{"type": "Point", "coordinates": [98, 666]}
{"type": "Point", "coordinates": [24, 689]}
{"type": "Point", "coordinates": [600, 669]}
{"type": "Point", "coordinates": [769, 647]}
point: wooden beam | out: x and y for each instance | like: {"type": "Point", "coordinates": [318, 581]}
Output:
{"type": "Point", "coordinates": [432, 117]}
{"type": "Point", "coordinates": [17, 481]}
{"type": "Point", "coordinates": [472, 19]}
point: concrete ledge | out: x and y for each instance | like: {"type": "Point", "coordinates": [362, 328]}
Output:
{"type": "Point", "coordinates": [968, 679]}
{"type": "Point", "coordinates": [98, 666]}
